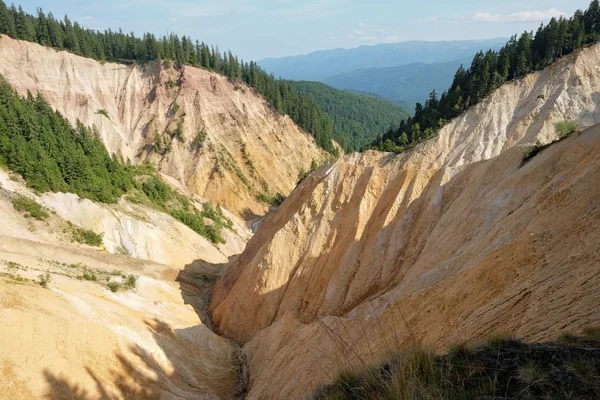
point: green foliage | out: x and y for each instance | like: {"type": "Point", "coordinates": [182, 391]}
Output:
{"type": "Point", "coordinates": [102, 111]}
{"type": "Point", "coordinates": [357, 119]}
{"type": "Point", "coordinates": [508, 369]}
{"type": "Point", "coordinates": [489, 70]}
{"type": "Point", "coordinates": [175, 107]}
{"type": "Point", "coordinates": [198, 141]}
{"type": "Point", "coordinates": [565, 128]}
{"type": "Point", "coordinates": [179, 207]}
{"type": "Point", "coordinates": [157, 191]}
{"type": "Point", "coordinates": [171, 84]}
{"type": "Point", "coordinates": [127, 48]}
{"type": "Point", "coordinates": [87, 236]}
{"type": "Point", "coordinates": [275, 200]}
{"type": "Point", "coordinates": [89, 276]}
{"type": "Point", "coordinates": [40, 145]}
{"type": "Point", "coordinates": [114, 286]}
{"type": "Point", "coordinates": [44, 280]}
{"type": "Point", "coordinates": [29, 207]}
{"type": "Point", "coordinates": [130, 282]}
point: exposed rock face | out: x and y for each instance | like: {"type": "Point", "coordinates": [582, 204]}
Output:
{"type": "Point", "coordinates": [248, 149]}
{"type": "Point", "coordinates": [454, 240]}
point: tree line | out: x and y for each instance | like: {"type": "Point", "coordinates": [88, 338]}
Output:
{"type": "Point", "coordinates": [489, 70]}
{"type": "Point", "coordinates": [120, 47]}
{"type": "Point", "coordinates": [39, 144]}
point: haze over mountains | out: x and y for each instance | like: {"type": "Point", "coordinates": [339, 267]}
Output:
{"type": "Point", "coordinates": [405, 71]}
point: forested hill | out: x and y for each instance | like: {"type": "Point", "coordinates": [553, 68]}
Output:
{"type": "Point", "coordinates": [520, 56]}
{"type": "Point", "coordinates": [357, 119]}
{"type": "Point", "coordinates": [120, 47]}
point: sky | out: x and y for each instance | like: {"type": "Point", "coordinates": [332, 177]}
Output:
{"type": "Point", "coordinates": [256, 29]}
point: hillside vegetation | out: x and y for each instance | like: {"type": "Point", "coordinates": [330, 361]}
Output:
{"type": "Point", "coordinates": [490, 70]}
{"type": "Point", "coordinates": [40, 145]}
{"type": "Point", "coordinates": [503, 368]}
{"type": "Point", "coordinates": [357, 119]}
{"type": "Point", "coordinates": [117, 46]}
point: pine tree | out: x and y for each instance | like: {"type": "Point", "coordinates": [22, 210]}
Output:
{"type": "Point", "coordinates": [7, 21]}
{"type": "Point", "coordinates": [23, 25]}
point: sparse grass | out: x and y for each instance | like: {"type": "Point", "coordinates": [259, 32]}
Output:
{"type": "Point", "coordinates": [198, 141]}
{"type": "Point", "coordinates": [89, 276]}
{"type": "Point", "coordinates": [275, 200]}
{"type": "Point", "coordinates": [30, 208]}
{"type": "Point", "coordinates": [130, 282]}
{"type": "Point", "coordinates": [563, 130]}
{"type": "Point", "coordinates": [87, 236]}
{"type": "Point", "coordinates": [102, 111]}
{"type": "Point", "coordinates": [44, 280]}
{"type": "Point", "coordinates": [503, 368]}
{"type": "Point", "coordinates": [532, 374]}
{"type": "Point", "coordinates": [175, 107]}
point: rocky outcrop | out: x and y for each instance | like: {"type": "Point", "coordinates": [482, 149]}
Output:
{"type": "Point", "coordinates": [231, 147]}
{"type": "Point", "coordinates": [454, 240]}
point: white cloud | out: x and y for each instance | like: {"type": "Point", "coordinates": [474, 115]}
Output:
{"type": "Point", "coordinates": [391, 38]}
{"type": "Point", "coordinates": [523, 16]}
{"type": "Point", "coordinates": [536, 15]}
{"type": "Point", "coordinates": [486, 17]}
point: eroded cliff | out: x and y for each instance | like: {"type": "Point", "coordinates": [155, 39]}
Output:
{"type": "Point", "coordinates": [451, 241]}
{"type": "Point", "coordinates": [218, 138]}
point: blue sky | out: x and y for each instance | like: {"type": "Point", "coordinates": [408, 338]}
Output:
{"type": "Point", "coordinates": [256, 29]}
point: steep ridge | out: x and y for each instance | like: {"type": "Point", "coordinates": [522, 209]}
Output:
{"type": "Point", "coordinates": [452, 241]}
{"type": "Point", "coordinates": [232, 145]}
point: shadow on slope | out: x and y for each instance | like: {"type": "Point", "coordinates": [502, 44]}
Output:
{"type": "Point", "coordinates": [189, 363]}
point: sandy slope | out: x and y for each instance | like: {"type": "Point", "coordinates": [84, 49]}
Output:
{"type": "Point", "coordinates": [78, 340]}
{"type": "Point", "coordinates": [129, 229]}
{"type": "Point", "coordinates": [454, 240]}
{"type": "Point", "coordinates": [248, 149]}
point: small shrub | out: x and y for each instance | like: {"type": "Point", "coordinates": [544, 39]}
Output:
{"type": "Point", "coordinates": [89, 276]}
{"type": "Point", "coordinates": [175, 107]}
{"type": "Point", "coordinates": [275, 200]}
{"type": "Point", "coordinates": [87, 236]}
{"type": "Point", "coordinates": [534, 151]}
{"type": "Point", "coordinates": [199, 139]}
{"type": "Point", "coordinates": [30, 208]}
{"type": "Point", "coordinates": [178, 133]}
{"type": "Point", "coordinates": [102, 111]}
{"type": "Point", "coordinates": [565, 128]}
{"type": "Point", "coordinates": [114, 286]}
{"type": "Point", "coordinates": [171, 84]}
{"type": "Point", "coordinates": [44, 280]}
{"type": "Point", "coordinates": [130, 282]}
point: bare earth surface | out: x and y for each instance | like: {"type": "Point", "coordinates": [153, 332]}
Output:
{"type": "Point", "coordinates": [249, 148]}
{"type": "Point", "coordinates": [455, 240]}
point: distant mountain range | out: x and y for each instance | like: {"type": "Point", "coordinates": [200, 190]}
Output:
{"type": "Point", "coordinates": [408, 84]}
{"type": "Point", "coordinates": [322, 64]}
{"type": "Point", "coordinates": [402, 72]}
